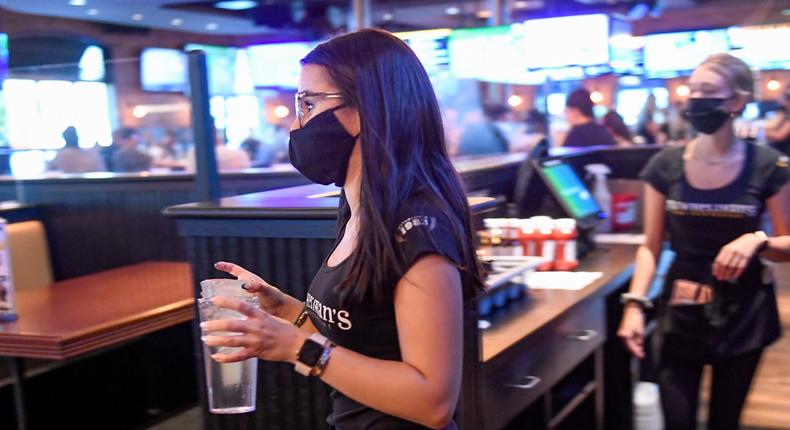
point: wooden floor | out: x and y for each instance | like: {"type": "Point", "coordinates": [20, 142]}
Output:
{"type": "Point", "coordinates": [768, 404]}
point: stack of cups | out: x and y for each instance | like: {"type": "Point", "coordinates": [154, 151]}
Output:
{"type": "Point", "coordinates": [231, 386]}
{"type": "Point", "coordinates": [647, 407]}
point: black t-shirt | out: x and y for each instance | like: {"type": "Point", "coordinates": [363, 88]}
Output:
{"type": "Point", "coordinates": [590, 134]}
{"type": "Point", "coordinates": [370, 328]}
{"type": "Point", "coordinates": [700, 222]}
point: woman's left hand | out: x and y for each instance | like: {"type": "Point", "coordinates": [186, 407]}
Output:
{"type": "Point", "coordinates": [261, 335]}
{"type": "Point", "coordinates": [735, 256]}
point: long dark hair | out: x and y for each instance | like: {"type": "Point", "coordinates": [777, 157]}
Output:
{"type": "Point", "coordinates": [403, 151]}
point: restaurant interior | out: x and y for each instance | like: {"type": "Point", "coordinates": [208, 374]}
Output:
{"type": "Point", "coordinates": [142, 141]}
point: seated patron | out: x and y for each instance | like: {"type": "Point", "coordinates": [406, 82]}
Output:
{"type": "Point", "coordinates": [73, 159]}
{"type": "Point", "coordinates": [127, 156]}
{"type": "Point", "coordinates": [584, 130]}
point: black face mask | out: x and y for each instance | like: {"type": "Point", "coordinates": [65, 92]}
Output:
{"type": "Point", "coordinates": [320, 149]}
{"type": "Point", "coordinates": [705, 114]}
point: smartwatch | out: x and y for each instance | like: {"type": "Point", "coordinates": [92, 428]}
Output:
{"type": "Point", "coordinates": [308, 355]}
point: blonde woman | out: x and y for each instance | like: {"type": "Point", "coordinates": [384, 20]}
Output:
{"type": "Point", "coordinates": [718, 307]}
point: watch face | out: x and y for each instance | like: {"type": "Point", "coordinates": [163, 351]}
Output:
{"type": "Point", "coordinates": [310, 352]}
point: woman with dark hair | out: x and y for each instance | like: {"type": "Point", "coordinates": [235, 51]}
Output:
{"type": "Point", "coordinates": [386, 304]}
{"type": "Point", "coordinates": [616, 126]}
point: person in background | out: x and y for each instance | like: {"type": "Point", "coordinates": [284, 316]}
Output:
{"type": "Point", "coordinates": [252, 146]}
{"type": "Point", "coordinates": [227, 158]}
{"type": "Point", "coordinates": [168, 152]}
{"type": "Point", "coordinates": [718, 305]}
{"type": "Point", "coordinates": [73, 159]}
{"type": "Point", "coordinates": [385, 310]}
{"type": "Point", "coordinates": [128, 157]}
{"type": "Point", "coordinates": [273, 148]}
{"type": "Point", "coordinates": [647, 128]}
{"type": "Point", "coordinates": [536, 128]}
{"type": "Point", "coordinates": [616, 126]}
{"type": "Point", "coordinates": [584, 130]}
{"type": "Point", "coordinates": [778, 134]}
{"type": "Point", "coordinates": [480, 134]}
{"type": "Point", "coordinates": [678, 132]}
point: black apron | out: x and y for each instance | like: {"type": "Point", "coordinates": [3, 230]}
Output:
{"type": "Point", "coordinates": [741, 317]}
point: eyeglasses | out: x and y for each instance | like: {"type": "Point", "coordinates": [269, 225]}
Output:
{"type": "Point", "coordinates": [303, 106]}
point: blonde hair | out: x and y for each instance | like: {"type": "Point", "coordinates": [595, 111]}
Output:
{"type": "Point", "coordinates": [737, 74]}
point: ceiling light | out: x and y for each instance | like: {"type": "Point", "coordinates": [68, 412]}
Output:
{"type": "Point", "coordinates": [281, 112]}
{"type": "Point", "coordinates": [137, 17]}
{"type": "Point", "coordinates": [176, 21]}
{"type": "Point", "coordinates": [682, 91]}
{"type": "Point", "coordinates": [515, 100]}
{"type": "Point", "coordinates": [212, 26]}
{"type": "Point", "coordinates": [773, 85]}
{"type": "Point", "coordinates": [236, 4]}
{"type": "Point", "coordinates": [139, 112]}
{"type": "Point", "coordinates": [93, 11]}
{"type": "Point", "coordinates": [452, 10]}
{"type": "Point", "coordinates": [520, 4]}
{"type": "Point", "coordinates": [596, 97]}
{"type": "Point", "coordinates": [78, 2]}
{"type": "Point", "coordinates": [387, 17]}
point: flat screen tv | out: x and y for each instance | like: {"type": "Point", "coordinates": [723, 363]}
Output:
{"type": "Point", "coordinates": [276, 65]}
{"type": "Point", "coordinates": [430, 47]}
{"type": "Point", "coordinates": [491, 54]}
{"type": "Point", "coordinates": [760, 46]}
{"type": "Point", "coordinates": [581, 40]}
{"type": "Point", "coordinates": [673, 54]}
{"type": "Point", "coordinates": [163, 69]}
{"type": "Point", "coordinates": [221, 63]}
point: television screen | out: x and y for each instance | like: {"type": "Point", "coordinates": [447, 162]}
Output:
{"type": "Point", "coordinates": [759, 46]}
{"type": "Point", "coordinates": [492, 54]}
{"type": "Point", "coordinates": [277, 64]}
{"type": "Point", "coordinates": [672, 54]}
{"type": "Point", "coordinates": [163, 70]}
{"type": "Point", "coordinates": [430, 47]}
{"type": "Point", "coordinates": [581, 40]}
{"type": "Point", "coordinates": [221, 63]}
{"type": "Point", "coordinates": [626, 52]}
{"type": "Point", "coordinates": [572, 194]}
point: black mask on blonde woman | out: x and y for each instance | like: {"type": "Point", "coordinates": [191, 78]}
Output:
{"type": "Point", "coordinates": [706, 114]}
{"type": "Point", "coordinates": [320, 149]}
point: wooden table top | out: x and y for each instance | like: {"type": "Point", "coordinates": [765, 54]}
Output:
{"type": "Point", "coordinates": [90, 312]}
{"type": "Point", "coordinates": [543, 306]}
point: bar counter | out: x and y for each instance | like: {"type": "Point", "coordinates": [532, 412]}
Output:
{"type": "Point", "coordinates": [99, 221]}
{"type": "Point", "coordinates": [515, 371]}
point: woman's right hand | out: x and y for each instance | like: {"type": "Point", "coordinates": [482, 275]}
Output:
{"type": "Point", "coordinates": [632, 330]}
{"type": "Point", "coordinates": [272, 299]}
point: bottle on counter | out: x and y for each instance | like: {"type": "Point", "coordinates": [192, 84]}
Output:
{"type": "Point", "coordinates": [565, 234]}
{"type": "Point", "coordinates": [544, 240]}
{"type": "Point", "coordinates": [601, 194]}
{"type": "Point", "coordinates": [528, 237]}
{"type": "Point", "coordinates": [491, 238]}
{"type": "Point", "coordinates": [512, 237]}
